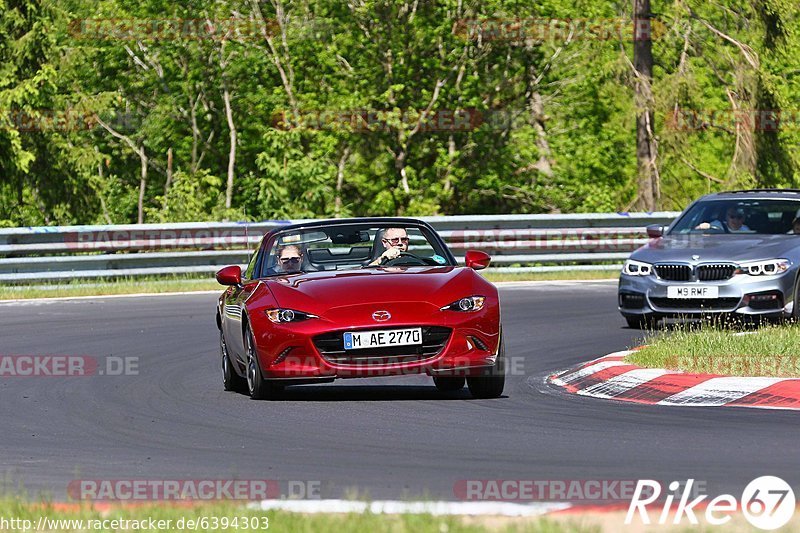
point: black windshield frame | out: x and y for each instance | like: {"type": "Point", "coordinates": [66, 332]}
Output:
{"type": "Point", "coordinates": [265, 270]}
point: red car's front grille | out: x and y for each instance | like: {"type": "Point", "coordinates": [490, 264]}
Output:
{"type": "Point", "coordinates": [331, 347]}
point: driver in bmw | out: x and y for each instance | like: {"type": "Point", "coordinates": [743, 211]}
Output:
{"type": "Point", "coordinates": [734, 221]}
{"type": "Point", "coordinates": [395, 240]}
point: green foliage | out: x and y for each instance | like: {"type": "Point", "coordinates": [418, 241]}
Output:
{"type": "Point", "coordinates": [190, 198]}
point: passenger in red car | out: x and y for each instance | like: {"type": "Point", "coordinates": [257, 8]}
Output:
{"type": "Point", "coordinates": [395, 240]}
{"type": "Point", "coordinates": [290, 259]}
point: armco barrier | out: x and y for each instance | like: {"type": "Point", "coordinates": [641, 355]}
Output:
{"type": "Point", "coordinates": [517, 243]}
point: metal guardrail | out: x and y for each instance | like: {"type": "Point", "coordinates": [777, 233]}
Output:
{"type": "Point", "coordinates": [517, 243]}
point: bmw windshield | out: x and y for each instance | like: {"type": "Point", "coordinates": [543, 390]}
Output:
{"type": "Point", "coordinates": [747, 216]}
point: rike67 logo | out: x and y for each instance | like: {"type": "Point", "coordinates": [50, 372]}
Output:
{"type": "Point", "coordinates": [767, 502]}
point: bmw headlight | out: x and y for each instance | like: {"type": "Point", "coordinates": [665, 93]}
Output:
{"type": "Point", "coordinates": [280, 316]}
{"type": "Point", "coordinates": [637, 268]}
{"type": "Point", "coordinates": [770, 267]}
{"type": "Point", "coordinates": [466, 305]}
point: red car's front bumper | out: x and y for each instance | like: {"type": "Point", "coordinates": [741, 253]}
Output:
{"type": "Point", "coordinates": [454, 343]}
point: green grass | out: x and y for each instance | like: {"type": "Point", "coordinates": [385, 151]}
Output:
{"type": "Point", "coordinates": [708, 348]}
{"type": "Point", "coordinates": [154, 285]}
{"type": "Point", "coordinates": [148, 285]}
{"type": "Point", "coordinates": [206, 513]}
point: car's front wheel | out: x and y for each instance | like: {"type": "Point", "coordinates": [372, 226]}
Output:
{"type": "Point", "coordinates": [257, 386]}
{"type": "Point", "coordinates": [491, 382]}
{"type": "Point", "coordinates": [449, 383]}
{"type": "Point", "coordinates": [230, 379]}
{"type": "Point", "coordinates": [795, 316]}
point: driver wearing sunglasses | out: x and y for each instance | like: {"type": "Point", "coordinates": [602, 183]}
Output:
{"type": "Point", "coordinates": [395, 241]}
{"type": "Point", "coordinates": [290, 259]}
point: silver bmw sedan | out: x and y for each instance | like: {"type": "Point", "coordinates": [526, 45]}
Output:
{"type": "Point", "coordinates": [734, 252]}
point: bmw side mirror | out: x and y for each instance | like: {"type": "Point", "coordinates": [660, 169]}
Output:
{"type": "Point", "coordinates": [655, 231]}
{"type": "Point", "coordinates": [230, 275]}
{"type": "Point", "coordinates": [477, 260]}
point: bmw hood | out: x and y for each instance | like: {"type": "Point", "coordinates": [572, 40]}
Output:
{"type": "Point", "coordinates": [319, 292]}
{"type": "Point", "coordinates": [698, 248]}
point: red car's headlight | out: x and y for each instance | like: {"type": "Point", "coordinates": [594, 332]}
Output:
{"type": "Point", "coordinates": [281, 316]}
{"type": "Point", "coordinates": [466, 305]}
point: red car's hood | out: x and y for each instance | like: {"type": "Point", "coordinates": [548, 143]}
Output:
{"type": "Point", "coordinates": [317, 292]}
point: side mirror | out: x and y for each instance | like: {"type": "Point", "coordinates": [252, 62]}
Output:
{"type": "Point", "coordinates": [477, 260]}
{"type": "Point", "coordinates": [655, 231]}
{"type": "Point", "coordinates": [230, 275]}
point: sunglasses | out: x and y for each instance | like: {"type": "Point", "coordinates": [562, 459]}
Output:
{"type": "Point", "coordinates": [396, 240]}
{"type": "Point", "coordinates": [738, 216]}
{"type": "Point", "coordinates": [287, 260]}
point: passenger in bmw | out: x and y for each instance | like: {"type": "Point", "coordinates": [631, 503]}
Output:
{"type": "Point", "coordinates": [734, 221]}
{"type": "Point", "coordinates": [395, 240]}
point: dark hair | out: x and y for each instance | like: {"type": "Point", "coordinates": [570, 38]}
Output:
{"type": "Point", "coordinates": [295, 246]}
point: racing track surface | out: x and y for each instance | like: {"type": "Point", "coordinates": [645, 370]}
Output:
{"type": "Point", "coordinates": [384, 437]}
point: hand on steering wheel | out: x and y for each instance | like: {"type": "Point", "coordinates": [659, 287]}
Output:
{"type": "Point", "coordinates": [403, 258]}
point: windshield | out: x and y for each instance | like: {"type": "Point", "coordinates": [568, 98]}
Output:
{"type": "Point", "coordinates": [749, 216]}
{"type": "Point", "coordinates": [352, 246]}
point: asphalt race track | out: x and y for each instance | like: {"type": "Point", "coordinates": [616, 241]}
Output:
{"type": "Point", "coordinates": [380, 438]}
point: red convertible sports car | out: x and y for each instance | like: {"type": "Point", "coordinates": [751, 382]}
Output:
{"type": "Point", "coordinates": [355, 298]}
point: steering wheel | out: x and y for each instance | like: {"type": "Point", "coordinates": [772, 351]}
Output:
{"type": "Point", "coordinates": [713, 229]}
{"type": "Point", "coordinates": [405, 258]}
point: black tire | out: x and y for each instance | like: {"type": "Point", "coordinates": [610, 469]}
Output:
{"type": "Point", "coordinates": [449, 383]}
{"type": "Point", "coordinates": [641, 322]}
{"type": "Point", "coordinates": [795, 316]}
{"type": "Point", "coordinates": [490, 384]}
{"type": "Point", "coordinates": [257, 386]}
{"type": "Point", "coordinates": [230, 379]}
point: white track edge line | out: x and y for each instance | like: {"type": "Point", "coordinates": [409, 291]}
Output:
{"type": "Point", "coordinates": [557, 282]}
{"type": "Point", "coordinates": [556, 376]}
{"type": "Point", "coordinates": [499, 284]}
{"type": "Point", "coordinates": [435, 508]}
{"type": "Point", "coordinates": [132, 295]}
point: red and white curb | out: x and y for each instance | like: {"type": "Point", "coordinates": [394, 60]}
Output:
{"type": "Point", "coordinates": [610, 377]}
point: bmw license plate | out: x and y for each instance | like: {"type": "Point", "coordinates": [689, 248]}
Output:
{"type": "Point", "coordinates": [685, 292]}
{"type": "Point", "coordinates": [358, 340]}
